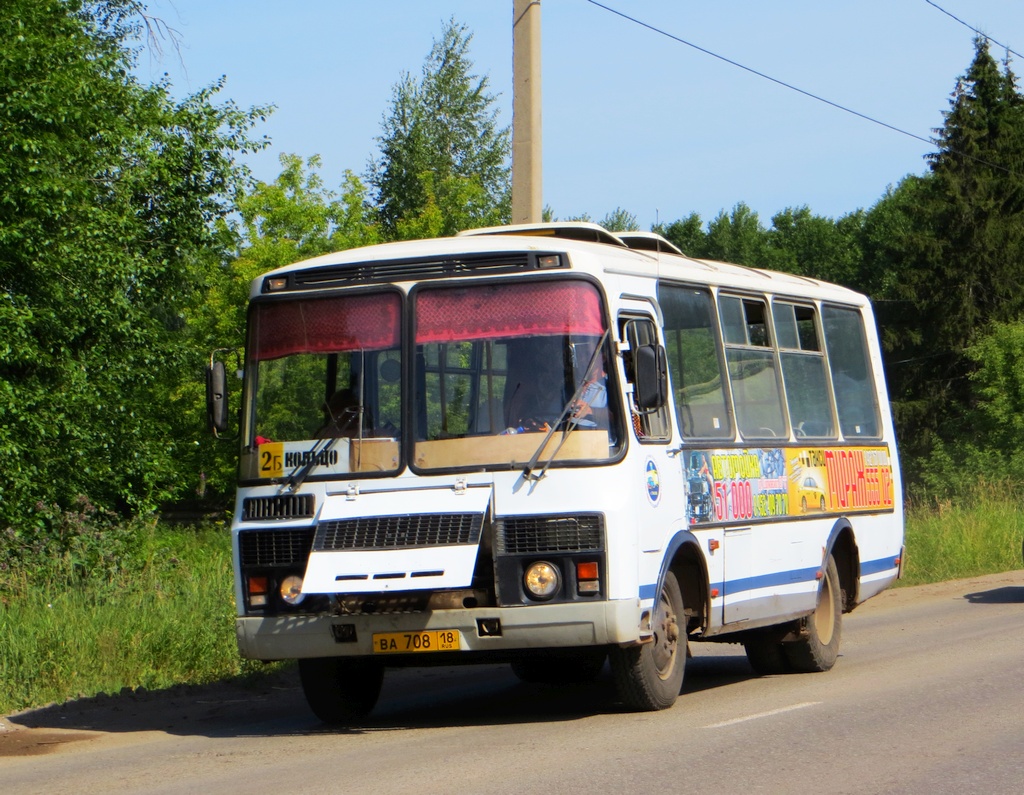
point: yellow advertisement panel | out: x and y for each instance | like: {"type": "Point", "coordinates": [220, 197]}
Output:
{"type": "Point", "coordinates": [761, 484]}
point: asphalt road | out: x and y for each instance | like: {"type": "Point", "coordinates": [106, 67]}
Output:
{"type": "Point", "coordinates": [926, 698]}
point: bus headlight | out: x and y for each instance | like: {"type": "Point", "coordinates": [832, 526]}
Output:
{"type": "Point", "coordinates": [291, 589]}
{"type": "Point", "coordinates": [542, 580]}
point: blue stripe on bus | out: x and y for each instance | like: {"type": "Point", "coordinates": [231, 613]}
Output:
{"type": "Point", "coordinates": [733, 587]}
{"type": "Point", "coordinates": [878, 566]}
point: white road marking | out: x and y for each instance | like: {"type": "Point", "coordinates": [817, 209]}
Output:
{"type": "Point", "coordinates": [759, 715]}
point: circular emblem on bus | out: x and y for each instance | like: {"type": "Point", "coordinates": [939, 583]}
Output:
{"type": "Point", "coordinates": [653, 482]}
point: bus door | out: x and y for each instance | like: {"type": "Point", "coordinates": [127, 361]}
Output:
{"type": "Point", "coordinates": [662, 504]}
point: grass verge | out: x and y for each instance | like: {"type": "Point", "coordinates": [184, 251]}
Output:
{"type": "Point", "coordinates": [979, 533]}
{"type": "Point", "coordinates": [168, 617]}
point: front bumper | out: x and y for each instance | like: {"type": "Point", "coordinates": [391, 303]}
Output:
{"type": "Point", "coordinates": [526, 627]}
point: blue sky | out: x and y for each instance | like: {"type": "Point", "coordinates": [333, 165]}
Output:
{"type": "Point", "coordinates": [631, 118]}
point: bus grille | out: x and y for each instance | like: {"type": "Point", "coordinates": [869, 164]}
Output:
{"type": "Point", "coordinates": [287, 506]}
{"type": "Point", "coordinates": [521, 535]}
{"type": "Point", "coordinates": [397, 532]}
{"type": "Point", "coordinates": [275, 547]}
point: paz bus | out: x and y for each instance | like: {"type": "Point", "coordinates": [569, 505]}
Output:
{"type": "Point", "coordinates": [558, 448]}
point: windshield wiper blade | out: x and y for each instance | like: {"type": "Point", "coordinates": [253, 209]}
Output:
{"type": "Point", "coordinates": [323, 446]}
{"type": "Point", "coordinates": [570, 416]}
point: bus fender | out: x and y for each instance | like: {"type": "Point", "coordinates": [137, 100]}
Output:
{"type": "Point", "coordinates": [682, 538]}
{"type": "Point", "coordinates": [847, 557]}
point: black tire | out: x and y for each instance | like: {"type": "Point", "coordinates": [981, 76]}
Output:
{"type": "Point", "coordinates": [561, 667]}
{"type": "Point", "coordinates": [766, 657]}
{"type": "Point", "coordinates": [649, 677]}
{"type": "Point", "coordinates": [341, 691]}
{"type": "Point", "coordinates": [818, 649]}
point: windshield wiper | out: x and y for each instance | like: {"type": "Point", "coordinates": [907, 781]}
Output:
{"type": "Point", "coordinates": [322, 447]}
{"type": "Point", "coordinates": [570, 418]}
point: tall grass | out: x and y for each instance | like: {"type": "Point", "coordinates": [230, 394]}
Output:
{"type": "Point", "coordinates": [167, 619]}
{"type": "Point", "coordinates": [979, 532]}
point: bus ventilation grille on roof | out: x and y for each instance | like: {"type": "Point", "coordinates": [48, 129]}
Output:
{"type": "Point", "coordinates": [411, 270]}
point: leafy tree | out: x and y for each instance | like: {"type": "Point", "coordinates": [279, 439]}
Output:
{"type": "Point", "coordinates": [688, 234]}
{"type": "Point", "coordinates": [110, 194]}
{"type": "Point", "coordinates": [813, 245]}
{"type": "Point", "coordinates": [293, 218]}
{"type": "Point", "coordinates": [739, 237]}
{"type": "Point", "coordinates": [620, 220]}
{"type": "Point", "coordinates": [443, 162]}
{"type": "Point", "coordinates": [989, 443]}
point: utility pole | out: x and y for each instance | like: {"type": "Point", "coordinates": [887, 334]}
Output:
{"type": "Point", "coordinates": [527, 201]}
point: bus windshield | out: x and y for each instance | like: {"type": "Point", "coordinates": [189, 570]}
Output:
{"type": "Point", "coordinates": [500, 365]}
{"type": "Point", "coordinates": [327, 368]}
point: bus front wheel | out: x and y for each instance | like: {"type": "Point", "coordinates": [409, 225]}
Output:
{"type": "Point", "coordinates": [818, 648]}
{"type": "Point", "coordinates": [649, 677]}
{"type": "Point", "coordinates": [341, 691]}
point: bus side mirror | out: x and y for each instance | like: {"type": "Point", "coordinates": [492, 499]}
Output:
{"type": "Point", "coordinates": [216, 398]}
{"type": "Point", "coordinates": [650, 366]}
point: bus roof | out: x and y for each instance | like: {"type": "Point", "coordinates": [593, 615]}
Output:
{"type": "Point", "coordinates": [591, 248]}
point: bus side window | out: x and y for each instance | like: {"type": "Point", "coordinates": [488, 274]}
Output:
{"type": "Point", "coordinates": [803, 371]}
{"type": "Point", "coordinates": [852, 379]}
{"type": "Point", "coordinates": [649, 424]}
{"type": "Point", "coordinates": [695, 362]}
{"type": "Point", "coordinates": [753, 377]}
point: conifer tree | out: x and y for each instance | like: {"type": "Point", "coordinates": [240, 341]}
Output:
{"type": "Point", "coordinates": [948, 250]}
{"type": "Point", "coordinates": [443, 162]}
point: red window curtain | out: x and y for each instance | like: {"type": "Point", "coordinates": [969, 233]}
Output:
{"type": "Point", "coordinates": [326, 325]}
{"type": "Point", "coordinates": [507, 310]}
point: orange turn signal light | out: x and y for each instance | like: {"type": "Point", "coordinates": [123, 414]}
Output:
{"type": "Point", "coordinates": [257, 585]}
{"type": "Point", "coordinates": [586, 571]}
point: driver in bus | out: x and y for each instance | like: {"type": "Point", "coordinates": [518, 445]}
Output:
{"type": "Point", "coordinates": [342, 411]}
{"type": "Point", "coordinates": [538, 388]}
{"type": "Point", "coordinates": [535, 386]}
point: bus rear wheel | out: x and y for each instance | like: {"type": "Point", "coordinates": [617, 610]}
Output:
{"type": "Point", "coordinates": [341, 691]}
{"type": "Point", "coordinates": [649, 677]}
{"type": "Point", "coordinates": [818, 648]}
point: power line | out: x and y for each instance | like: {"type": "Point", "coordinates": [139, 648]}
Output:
{"type": "Point", "coordinates": [971, 27]}
{"type": "Point", "coordinates": [791, 87]}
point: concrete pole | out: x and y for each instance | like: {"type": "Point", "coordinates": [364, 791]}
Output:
{"type": "Point", "coordinates": [527, 195]}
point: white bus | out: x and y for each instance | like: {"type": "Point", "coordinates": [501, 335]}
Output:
{"type": "Point", "coordinates": [555, 447]}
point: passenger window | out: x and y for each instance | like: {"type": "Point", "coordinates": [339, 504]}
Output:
{"type": "Point", "coordinates": [695, 367]}
{"type": "Point", "coordinates": [751, 364]}
{"type": "Point", "coordinates": [803, 371]}
{"type": "Point", "coordinates": [852, 379]}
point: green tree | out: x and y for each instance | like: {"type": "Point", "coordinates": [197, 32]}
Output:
{"type": "Point", "coordinates": [110, 194]}
{"type": "Point", "coordinates": [688, 234]}
{"type": "Point", "coordinates": [620, 220]}
{"type": "Point", "coordinates": [813, 245]}
{"type": "Point", "coordinates": [443, 160]}
{"type": "Point", "coordinates": [739, 237]}
{"type": "Point", "coordinates": [946, 251]}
